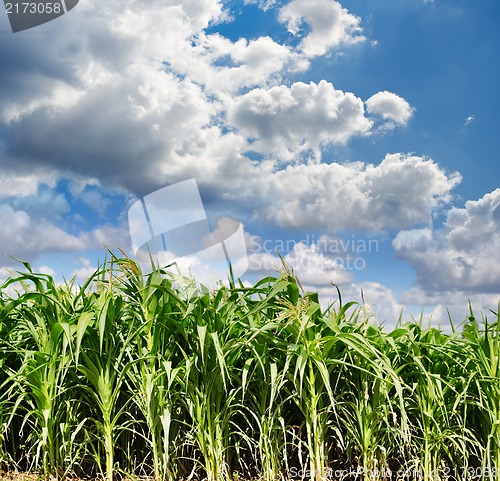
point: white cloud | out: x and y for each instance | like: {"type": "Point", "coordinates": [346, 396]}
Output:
{"type": "Point", "coordinates": [141, 109]}
{"type": "Point", "coordinates": [460, 257]}
{"type": "Point", "coordinates": [133, 122]}
{"type": "Point", "coordinates": [376, 302]}
{"type": "Point", "coordinates": [439, 308]}
{"type": "Point", "coordinates": [5, 274]}
{"type": "Point", "coordinates": [108, 60]}
{"type": "Point", "coordinates": [263, 4]}
{"type": "Point", "coordinates": [23, 184]}
{"type": "Point", "coordinates": [320, 263]}
{"type": "Point", "coordinates": [84, 271]}
{"type": "Point", "coordinates": [401, 190]}
{"type": "Point", "coordinates": [392, 108]}
{"type": "Point", "coordinates": [127, 106]}
{"type": "Point", "coordinates": [456, 301]}
{"type": "Point", "coordinates": [208, 267]}
{"type": "Point", "coordinates": [47, 270]}
{"type": "Point", "coordinates": [46, 203]}
{"type": "Point", "coordinates": [469, 120]}
{"type": "Point", "coordinates": [317, 270]}
{"type": "Point", "coordinates": [25, 235]}
{"type": "Point", "coordinates": [330, 25]}
{"type": "Point", "coordinates": [291, 121]}
{"type": "Point", "coordinates": [91, 193]}
{"type": "Point", "coordinates": [312, 266]}
{"type": "Point", "coordinates": [288, 121]}
{"type": "Point", "coordinates": [225, 67]}
{"type": "Point", "coordinates": [166, 35]}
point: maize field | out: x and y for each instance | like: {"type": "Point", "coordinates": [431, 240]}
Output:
{"type": "Point", "coordinates": [126, 377]}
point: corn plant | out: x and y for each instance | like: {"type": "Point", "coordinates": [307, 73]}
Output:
{"type": "Point", "coordinates": [39, 345]}
{"type": "Point", "coordinates": [485, 352]}
{"type": "Point", "coordinates": [128, 376]}
{"type": "Point", "coordinates": [265, 394]}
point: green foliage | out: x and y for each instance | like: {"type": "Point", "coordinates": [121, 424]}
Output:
{"type": "Point", "coordinates": [126, 376]}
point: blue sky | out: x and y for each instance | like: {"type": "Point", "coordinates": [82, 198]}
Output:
{"type": "Point", "coordinates": [360, 138]}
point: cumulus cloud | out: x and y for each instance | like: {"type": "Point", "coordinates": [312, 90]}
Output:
{"type": "Point", "coordinates": [288, 121]}
{"type": "Point", "coordinates": [22, 236]}
{"type": "Point", "coordinates": [376, 302]}
{"type": "Point", "coordinates": [47, 270]}
{"type": "Point", "coordinates": [312, 266]}
{"type": "Point", "coordinates": [323, 263]}
{"type": "Point", "coordinates": [393, 109]}
{"type": "Point", "coordinates": [451, 308]}
{"type": "Point", "coordinates": [91, 193]}
{"type": "Point", "coordinates": [328, 260]}
{"type": "Point", "coordinates": [5, 274]}
{"type": "Point", "coordinates": [108, 144]}
{"type": "Point", "coordinates": [456, 301]}
{"type": "Point", "coordinates": [147, 94]}
{"type": "Point", "coordinates": [329, 25]}
{"type": "Point", "coordinates": [45, 203]}
{"type": "Point", "coordinates": [23, 184]}
{"type": "Point", "coordinates": [208, 267]}
{"type": "Point", "coordinates": [458, 258]}
{"type": "Point", "coordinates": [225, 67]}
{"type": "Point", "coordinates": [157, 99]}
{"type": "Point", "coordinates": [401, 190]}
{"type": "Point", "coordinates": [291, 121]}
{"type": "Point", "coordinates": [320, 271]}
{"type": "Point", "coordinates": [84, 270]}
{"type": "Point", "coordinates": [25, 235]}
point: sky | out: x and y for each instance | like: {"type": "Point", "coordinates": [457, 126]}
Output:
{"type": "Point", "coordinates": [357, 138]}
